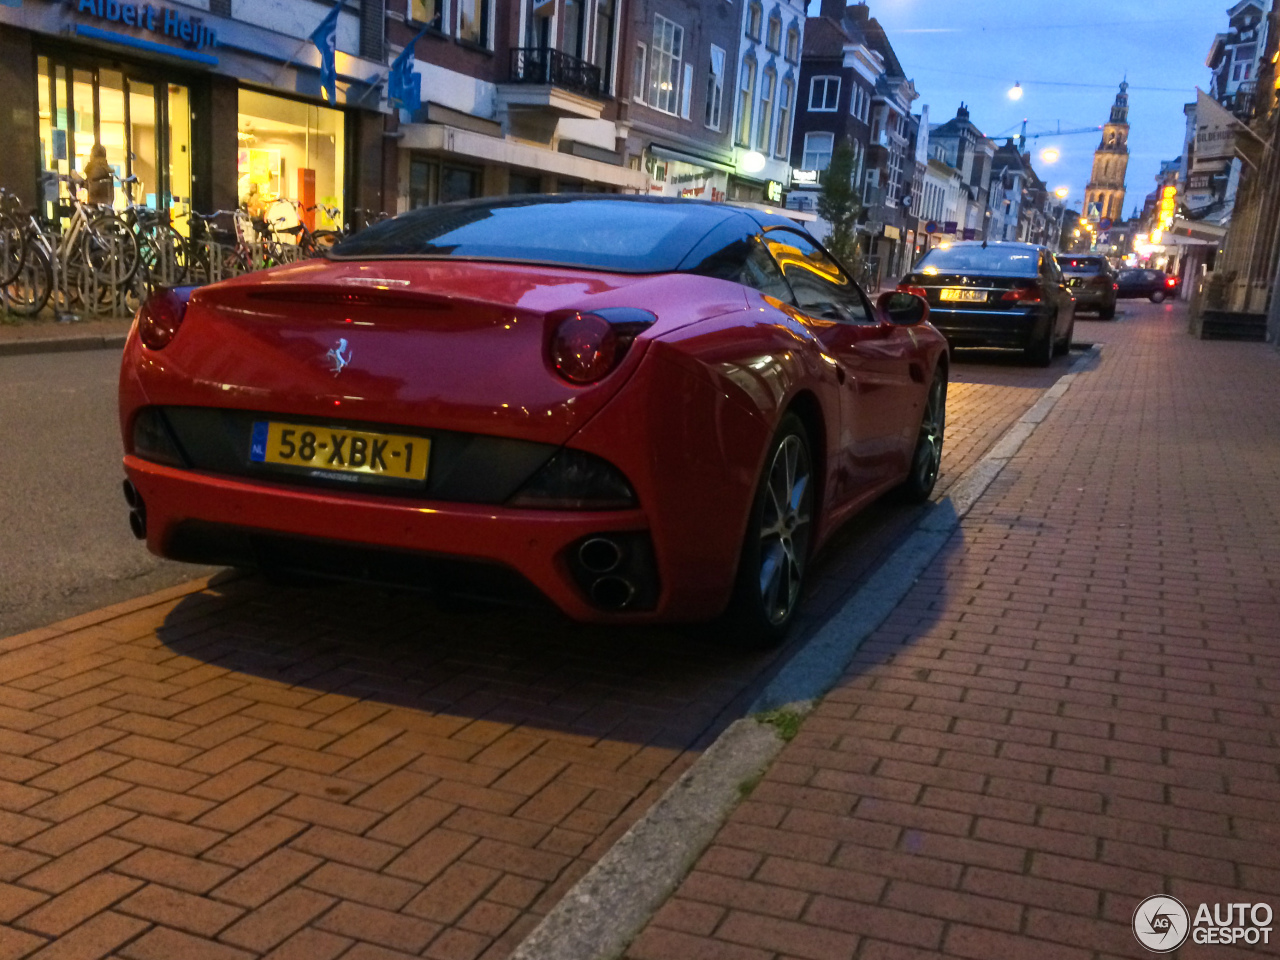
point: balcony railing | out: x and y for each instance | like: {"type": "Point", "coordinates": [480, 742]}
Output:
{"type": "Point", "coordinates": [1241, 103]}
{"type": "Point", "coordinates": [543, 66]}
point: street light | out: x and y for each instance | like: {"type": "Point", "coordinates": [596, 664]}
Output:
{"type": "Point", "coordinates": [1062, 193]}
{"type": "Point", "coordinates": [1015, 92]}
{"type": "Point", "coordinates": [1050, 155]}
{"type": "Point", "coordinates": [752, 162]}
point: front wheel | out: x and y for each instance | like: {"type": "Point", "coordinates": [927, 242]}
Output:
{"type": "Point", "coordinates": [775, 554]}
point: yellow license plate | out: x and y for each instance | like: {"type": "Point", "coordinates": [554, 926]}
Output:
{"type": "Point", "coordinates": [354, 453]}
{"type": "Point", "coordinates": [967, 296]}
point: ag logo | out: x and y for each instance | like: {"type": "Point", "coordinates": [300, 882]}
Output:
{"type": "Point", "coordinates": [1161, 924]}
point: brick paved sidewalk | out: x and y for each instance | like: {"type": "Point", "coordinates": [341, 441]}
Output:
{"type": "Point", "coordinates": [1076, 708]}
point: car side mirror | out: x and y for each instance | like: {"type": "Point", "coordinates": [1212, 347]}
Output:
{"type": "Point", "coordinates": [903, 309]}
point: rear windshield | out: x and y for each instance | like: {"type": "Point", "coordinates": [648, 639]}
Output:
{"type": "Point", "coordinates": [1082, 264]}
{"type": "Point", "coordinates": [628, 236]}
{"type": "Point", "coordinates": [989, 261]}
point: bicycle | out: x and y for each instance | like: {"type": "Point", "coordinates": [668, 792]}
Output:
{"type": "Point", "coordinates": [13, 247]}
{"type": "Point", "coordinates": [163, 251]}
{"type": "Point", "coordinates": [308, 243]}
{"type": "Point", "coordinates": [217, 253]}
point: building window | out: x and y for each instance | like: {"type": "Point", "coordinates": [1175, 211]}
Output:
{"type": "Point", "coordinates": [575, 28]}
{"type": "Point", "coordinates": [746, 96]}
{"type": "Point", "coordinates": [686, 91]}
{"type": "Point", "coordinates": [765, 128]}
{"type": "Point", "coordinates": [774, 38]}
{"type": "Point", "coordinates": [869, 187]}
{"type": "Point", "coordinates": [817, 150]}
{"type": "Point", "coordinates": [754, 16]}
{"type": "Point", "coordinates": [715, 89]}
{"type": "Point", "coordinates": [473, 21]}
{"type": "Point", "coordinates": [793, 44]}
{"type": "Point", "coordinates": [824, 94]}
{"type": "Point", "coordinates": [602, 49]}
{"type": "Point", "coordinates": [664, 64]}
{"type": "Point", "coordinates": [433, 12]}
{"type": "Point", "coordinates": [292, 152]}
{"type": "Point", "coordinates": [638, 74]}
{"type": "Point", "coordinates": [783, 145]}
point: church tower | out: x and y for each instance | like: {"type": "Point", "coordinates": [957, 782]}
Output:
{"type": "Point", "coordinates": [1105, 192]}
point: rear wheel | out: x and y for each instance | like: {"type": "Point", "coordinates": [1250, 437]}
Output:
{"type": "Point", "coordinates": [926, 459]}
{"type": "Point", "coordinates": [1107, 313]}
{"type": "Point", "coordinates": [1064, 345]}
{"type": "Point", "coordinates": [775, 554]}
{"type": "Point", "coordinates": [28, 292]}
{"type": "Point", "coordinates": [1157, 297]}
{"type": "Point", "coordinates": [1039, 352]}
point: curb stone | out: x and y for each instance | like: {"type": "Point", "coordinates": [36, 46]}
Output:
{"type": "Point", "coordinates": [109, 341]}
{"type": "Point", "coordinates": [599, 917]}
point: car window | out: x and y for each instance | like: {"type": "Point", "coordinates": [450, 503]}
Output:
{"type": "Point", "coordinates": [1083, 265]}
{"type": "Point", "coordinates": [820, 287]}
{"type": "Point", "coordinates": [994, 260]}
{"type": "Point", "coordinates": [761, 272]}
{"type": "Point", "coordinates": [1128, 276]}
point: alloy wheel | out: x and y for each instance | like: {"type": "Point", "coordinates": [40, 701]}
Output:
{"type": "Point", "coordinates": [932, 427]}
{"type": "Point", "coordinates": [785, 528]}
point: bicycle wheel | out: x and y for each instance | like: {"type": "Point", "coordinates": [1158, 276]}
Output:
{"type": "Point", "coordinates": [28, 292]}
{"type": "Point", "coordinates": [13, 248]}
{"type": "Point", "coordinates": [110, 248]}
{"type": "Point", "coordinates": [164, 253]}
{"type": "Point", "coordinates": [322, 241]}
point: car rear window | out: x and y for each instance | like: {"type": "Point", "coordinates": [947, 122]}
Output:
{"type": "Point", "coordinates": [628, 236]}
{"type": "Point", "coordinates": [994, 260]}
{"type": "Point", "coordinates": [1082, 264]}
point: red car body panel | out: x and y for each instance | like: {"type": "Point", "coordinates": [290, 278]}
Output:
{"type": "Point", "coordinates": [687, 416]}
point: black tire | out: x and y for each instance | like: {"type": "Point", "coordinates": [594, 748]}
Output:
{"type": "Point", "coordinates": [110, 249]}
{"type": "Point", "coordinates": [1107, 313]}
{"type": "Point", "coordinates": [1039, 352]}
{"type": "Point", "coordinates": [1063, 347]}
{"type": "Point", "coordinates": [165, 254]}
{"type": "Point", "coordinates": [1158, 296]}
{"type": "Point", "coordinates": [775, 550]}
{"type": "Point", "coordinates": [28, 292]}
{"type": "Point", "coordinates": [926, 458]}
{"type": "Point", "coordinates": [13, 248]}
{"type": "Point", "coordinates": [322, 241]}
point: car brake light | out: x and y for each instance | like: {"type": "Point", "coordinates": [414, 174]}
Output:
{"type": "Point", "coordinates": [160, 317]}
{"type": "Point", "coordinates": [1115, 286]}
{"type": "Point", "coordinates": [1031, 294]}
{"type": "Point", "coordinates": [920, 292]}
{"type": "Point", "coordinates": [1171, 282]}
{"type": "Point", "coordinates": [585, 347]}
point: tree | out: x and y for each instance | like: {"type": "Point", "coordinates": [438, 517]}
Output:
{"type": "Point", "coordinates": [840, 205]}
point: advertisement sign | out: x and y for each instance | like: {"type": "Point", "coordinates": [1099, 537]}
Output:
{"type": "Point", "coordinates": [674, 178]}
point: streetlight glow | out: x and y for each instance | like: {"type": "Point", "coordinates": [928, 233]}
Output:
{"type": "Point", "coordinates": [1050, 154]}
{"type": "Point", "coordinates": [752, 162]}
{"type": "Point", "coordinates": [1062, 192]}
{"type": "Point", "coordinates": [1015, 92]}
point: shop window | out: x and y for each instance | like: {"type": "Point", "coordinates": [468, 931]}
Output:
{"type": "Point", "coordinates": [291, 157]}
{"type": "Point", "coordinates": [458, 183]}
{"type": "Point", "coordinates": [473, 21]}
{"type": "Point", "coordinates": [424, 183]}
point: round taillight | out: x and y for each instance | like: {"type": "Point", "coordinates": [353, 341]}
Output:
{"type": "Point", "coordinates": [584, 348]}
{"type": "Point", "coordinates": [160, 317]}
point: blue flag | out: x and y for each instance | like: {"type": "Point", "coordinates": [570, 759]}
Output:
{"type": "Point", "coordinates": [404, 85]}
{"type": "Point", "coordinates": [325, 37]}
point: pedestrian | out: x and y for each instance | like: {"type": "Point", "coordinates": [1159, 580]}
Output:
{"type": "Point", "coordinates": [98, 176]}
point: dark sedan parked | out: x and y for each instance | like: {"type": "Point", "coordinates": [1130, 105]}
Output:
{"type": "Point", "coordinates": [1156, 285]}
{"type": "Point", "coordinates": [997, 295]}
{"type": "Point", "coordinates": [1092, 283]}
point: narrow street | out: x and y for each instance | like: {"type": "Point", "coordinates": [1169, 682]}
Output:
{"type": "Point", "coordinates": [251, 766]}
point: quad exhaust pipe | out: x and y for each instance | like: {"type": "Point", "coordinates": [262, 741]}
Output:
{"type": "Point", "coordinates": [137, 510]}
{"type": "Point", "coordinates": [602, 557]}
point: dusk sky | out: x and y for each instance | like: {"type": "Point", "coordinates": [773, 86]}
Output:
{"type": "Point", "coordinates": [1070, 56]}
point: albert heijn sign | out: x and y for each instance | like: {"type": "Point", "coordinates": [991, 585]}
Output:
{"type": "Point", "coordinates": [190, 31]}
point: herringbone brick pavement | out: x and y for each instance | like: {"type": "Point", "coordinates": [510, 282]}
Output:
{"type": "Point", "coordinates": [1077, 707]}
{"type": "Point", "coordinates": [238, 771]}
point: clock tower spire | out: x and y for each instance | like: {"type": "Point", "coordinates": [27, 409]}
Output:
{"type": "Point", "coordinates": [1105, 192]}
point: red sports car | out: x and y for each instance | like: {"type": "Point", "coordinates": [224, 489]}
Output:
{"type": "Point", "coordinates": [642, 409]}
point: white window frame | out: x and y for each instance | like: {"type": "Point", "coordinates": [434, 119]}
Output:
{"type": "Point", "coordinates": [686, 91]}
{"type": "Point", "coordinates": [665, 60]}
{"type": "Point", "coordinates": [764, 126]}
{"type": "Point", "coordinates": [485, 11]}
{"type": "Point", "coordinates": [445, 12]}
{"type": "Point", "coordinates": [746, 101]}
{"type": "Point", "coordinates": [714, 109]}
{"type": "Point", "coordinates": [826, 86]}
{"type": "Point", "coordinates": [640, 72]}
{"type": "Point", "coordinates": [786, 96]}
{"type": "Point", "coordinates": [870, 181]}
{"type": "Point", "coordinates": [808, 158]}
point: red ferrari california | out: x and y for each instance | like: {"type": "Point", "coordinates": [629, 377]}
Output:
{"type": "Point", "coordinates": [641, 409]}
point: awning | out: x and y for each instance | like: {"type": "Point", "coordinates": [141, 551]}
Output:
{"type": "Point", "coordinates": [798, 215]}
{"type": "Point", "coordinates": [666, 153]}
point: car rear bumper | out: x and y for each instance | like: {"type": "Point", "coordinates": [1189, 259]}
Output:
{"type": "Point", "coordinates": [1093, 299]}
{"type": "Point", "coordinates": [509, 553]}
{"type": "Point", "coordinates": [979, 328]}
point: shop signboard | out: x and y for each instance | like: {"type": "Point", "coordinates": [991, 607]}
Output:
{"type": "Point", "coordinates": [190, 31]}
{"type": "Point", "coordinates": [675, 178]}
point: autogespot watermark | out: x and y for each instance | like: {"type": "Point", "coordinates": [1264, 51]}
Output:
{"type": "Point", "coordinates": [1162, 924]}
